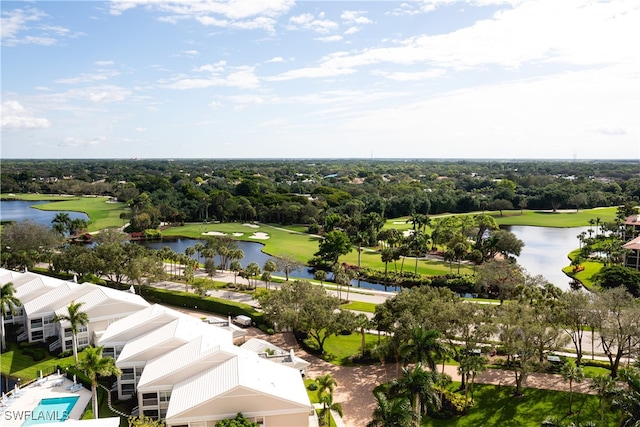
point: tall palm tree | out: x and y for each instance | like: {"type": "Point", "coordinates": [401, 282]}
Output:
{"type": "Point", "coordinates": [419, 386]}
{"type": "Point", "coordinates": [470, 366]}
{"type": "Point", "coordinates": [95, 365]}
{"type": "Point", "coordinates": [329, 405]}
{"type": "Point", "coordinates": [326, 383]}
{"type": "Point", "coordinates": [603, 385]}
{"type": "Point", "coordinates": [61, 223]}
{"type": "Point", "coordinates": [572, 373]}
{"type": "Point", "coordinates": [395, 412]}
{"type": "Point", "coordinates": [76, 317]}
{"type": "Point", "coordinates": [423, 347]}
{"type": "Point", "coordinates": [8, 304]}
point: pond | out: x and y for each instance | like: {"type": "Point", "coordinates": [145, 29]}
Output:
{"type": "Point", "coordinates": [18, 210]}
{"type": "Point", "coordinates": [546, 251]}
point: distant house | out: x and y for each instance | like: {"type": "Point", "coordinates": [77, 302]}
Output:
{"type": "Point", "coordinates": [632, 234]}
{"type": "Point", "coordinates": [43, 298]}
{"type": "Point", "coordinates": [632, 257]}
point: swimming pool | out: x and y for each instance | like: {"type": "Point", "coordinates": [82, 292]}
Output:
{"type": "Point", "coordinates": [51, 410]}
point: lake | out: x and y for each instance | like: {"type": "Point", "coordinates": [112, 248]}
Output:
{"type": "Point", "coordinates": [18, 210]}
{"type": "Point", "coordinates": [545, 251]}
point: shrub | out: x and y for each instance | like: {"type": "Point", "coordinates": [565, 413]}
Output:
{"type": "Point", "coordinates": [452, 405]}
{"type": "Point", "coordinates": [312, 386]}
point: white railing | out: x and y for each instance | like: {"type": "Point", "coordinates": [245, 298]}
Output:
{"type": "Point", "coordinates": [23, 336]}
{"type": "Point", "coordinates": [55, 345]}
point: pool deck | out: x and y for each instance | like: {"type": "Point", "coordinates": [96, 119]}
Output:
{"type": "Point", "coordinates": [14, 411]}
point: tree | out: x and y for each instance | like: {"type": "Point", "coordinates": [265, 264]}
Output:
{"type": "Point", "coordinates": [24, 243]}
{"type": "Point", "coordinates": [326, 383]}
{"type": "Point", "coordinates": [8, 304]}
{"type": "Point", "coordinates": [304, 307]}
{"type": "Point", "coordinates": [61, 223]}
{"type": "Point", "coordinates": [617, 318]}
{"type": "Point", "coordinates": [320, 275]}
{"type": "Point", "coordinates": [616, 275]}
{"type": "Point", "coordinates": [499, 277]}
{"type": "Point", "coordinates": [517, 329]}
{"type": "Point", "coordinates": [334, 244]}
{"type": "Point", "coordinates": [470, 366]}
{"type": "Point", "coordinates": [76, 318]}
{"type": "Point", "coordinates": [419, 386]}
{"type": "Point", "coordinates": [573, 315]}
{"type": "Point", "coordinates": [391, 412]}
{"type": "Point", "coordinates": [423, 347]}
{"type": "Point", "coordinates": [95, 365]}
{"type": "Point", "coordinates": [238, 421]}
{"type": "Point", "coordinates": [628, 399]}
{"type": "Point", "coordinates": [287, 264]}
{"type": "Point", "coordinates": [329, 405]}
{"type": "Point", "coordinates": [362, 323]}
{"type": "Point", "coordinates": [602, 385]}
{"type": "Point", "coordinates": [143, 421]}
{"type": "Point", "coordinates": [571, 373]}
{"type": "Point", "coordinates": [252, 271]}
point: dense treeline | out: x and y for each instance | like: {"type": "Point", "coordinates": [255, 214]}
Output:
{"type": "Point", "coordinates": [307, 191]}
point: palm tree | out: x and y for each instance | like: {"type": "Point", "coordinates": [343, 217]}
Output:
{"type": "Point", "coordinates": [329, 405]}
{"type": "Point", "coordinates": [394, 412]}
{"type": "Point", "coordinates": [603, 385]}
{"type": "Point", "coordinates": [61, 223]}
{"type": "Point", "coordinates": [419, 386]}
{"type": "Point", "coordinates": [8, 304]}
{"type": "Point", "coordinates": [628, 399]}
{"type": "Point", "coordinates": [95, 365]}
{"type": "Point", "coordinates": [326, 383]}
{"type": "Point", "coordinates": [362, 323]}
{"type": "Point", "coordinates": [423, 346]}
{"type": "Point", "coordinates": [76, 318]}
{"type": "Point", "coordinates": [572, 373]}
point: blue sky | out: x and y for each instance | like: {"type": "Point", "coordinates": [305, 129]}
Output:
{"type": "Point", "coordinates": [554, 79]}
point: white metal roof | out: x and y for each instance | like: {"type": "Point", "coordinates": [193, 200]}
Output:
{"type": "Point", "coordinates": [278, 355]}
{"type": "Point", "coordinates": [101, 302]}
{"type": "Point", "coordinates": [50, 301]}
{"type": "Point", "coordinates": [244, 370]}
{"type": "Point", "coordinates": [137, 324]}
{"type": "Point", "coordinates": [185, 361]}
{"type": "Point", "coordinates": [168, 337]}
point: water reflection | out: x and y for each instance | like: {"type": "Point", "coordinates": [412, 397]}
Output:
{"type": "Point", "coordinates": [18, 210]}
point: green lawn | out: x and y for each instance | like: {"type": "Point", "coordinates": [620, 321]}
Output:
{"type": "Point", "coordinates": [529, 217]}
{"type": "Point", "coordinates": [496, 406]}
{"type": "Point", "coordinates": [368, 307]}
{"type": "Point", "coordinates": [17, 365]}
{"type": "Point", "coordinates": [338, 349]}
{"type": "Point", "coordinates": [591, 267]}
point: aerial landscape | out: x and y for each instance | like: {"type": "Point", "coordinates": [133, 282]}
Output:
{"type": "Point", "coordinates": [230, 213]}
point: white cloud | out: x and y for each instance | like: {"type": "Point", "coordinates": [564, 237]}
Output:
{"type": "Point", "coordinates": [242, 76]}
{"type": "Point", "coordinates": [335, 38]}
{"type": "Point", "coordinates": [307, 21]}
{"type": "Point", "coordinates": [140, 129]}
{"type": "Point", "coordinates": [189, 53]}
{"type": "Point", "coordinates": [212, 68]}
{"type": "Point", "coordinates": [311, 72]}
{"type": "Point", "coordinates": [89, 77]}
{"type": "Point", "coordinates": [405, 76]}
{"type": "Point", "coordinates": [16, 117]}
{"type": "Point", "coordinates": [19, 27]}
{"type": "Point", "coordinates": [78, 142]}
{"type": "Point", "coordinates": [104, 63]}
{"type": "Point", "coordinates": [355, 17]}
{"type": "Point", "coordinates": [240, 14]}
{"type": "Point", "coordinates": [274, 59]}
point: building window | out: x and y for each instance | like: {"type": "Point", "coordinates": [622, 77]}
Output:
{"type": "Point", "coordinates": [36, 323]}
{"type": "Point", "coordinates": [36, 335]}
{"type": "Point", "coordinates": [165, 396]}
{"type": "Point", "coordinates": [151, 413]}
{"type": "Point", "coordinates": [149, 399]}
{"type": "Point", "coordinates": [127, 374]}
{"type": "Point", "coordinates": [83, 342]}
{"type": "Point", "coordinates": [127, 388]}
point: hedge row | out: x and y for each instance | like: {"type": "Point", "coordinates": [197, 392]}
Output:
{"type": "Point", "coordinates": [207, 304]}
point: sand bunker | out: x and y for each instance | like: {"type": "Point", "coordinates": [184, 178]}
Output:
{"type": "Point", "coordinates": [238, 234]}
{"type": "Point", "coordinates": [251, 225]}
{"type": "Point", "coordinates": [259, 235]}
{"type": "Point", "coordinates": [399, 222]}
{"type": "Point", "coordinates": [214, 233]}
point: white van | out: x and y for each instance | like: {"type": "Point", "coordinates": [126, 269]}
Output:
{"type": "Point", "coordinates": [242, 320]}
